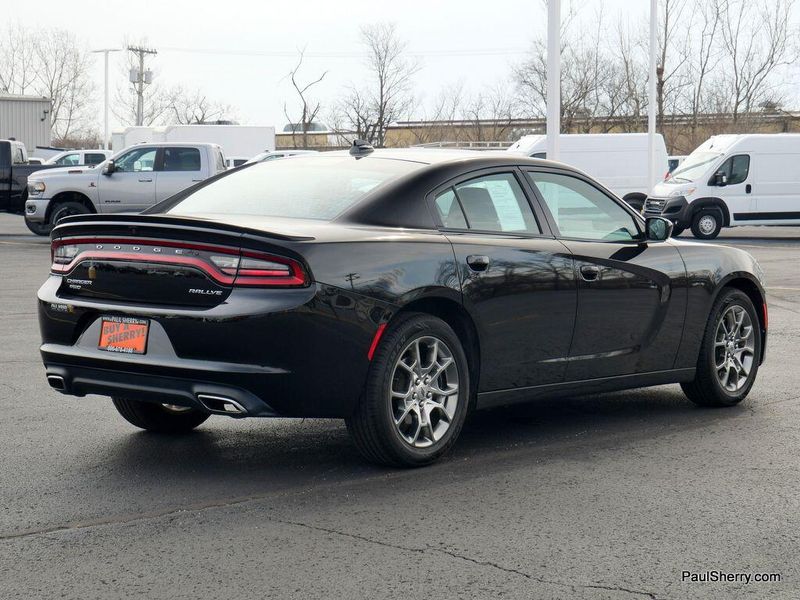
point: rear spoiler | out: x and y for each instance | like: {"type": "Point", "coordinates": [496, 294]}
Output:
{"type": "Point", "coordinates": [131, 222]}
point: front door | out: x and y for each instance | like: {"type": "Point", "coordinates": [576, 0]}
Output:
{"type": "Point", "coordinates": [132, 185]}
{"type": "Point", "coordinates": [517, 281]}
{"type": "Point", "coordinates": [738, 192]}
{"type": "Point", "coordinates": [631, 293]}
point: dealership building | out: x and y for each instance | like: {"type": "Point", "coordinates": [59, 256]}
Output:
{"type": "Point", "coordinates": [25, 118]}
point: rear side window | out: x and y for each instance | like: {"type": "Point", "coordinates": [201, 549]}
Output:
{"type": "Point", "coordinates": [69, 160]}
{"type": "Point", "coordinates": [181, 159]}
{"type": "Point", "coordinates": [314, 187]}
{"type": "Point", "coordinates": [450, 211]}
{"type": "Point", "coordinates": [496, 203]}
{"type": "Point", "coordinates": [736, 168]}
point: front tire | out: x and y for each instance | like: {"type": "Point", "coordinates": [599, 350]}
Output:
{"type": "Point", "coordinates": [730, 352]}
{"type": "Point", "coordinates": [416, 397]}
{"type": "Point", "coordinates": [39, 228]}
{"type": "Point", "coordinates": [706, 225]}
{"type": "Point", "coordinates": [159, 418]}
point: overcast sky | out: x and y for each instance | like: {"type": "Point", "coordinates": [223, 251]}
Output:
{"type": "Point", "coordinates": [236, 52]}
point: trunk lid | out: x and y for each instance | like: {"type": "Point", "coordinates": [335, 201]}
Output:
{"type": "Point", "coordinates": [160, 260]}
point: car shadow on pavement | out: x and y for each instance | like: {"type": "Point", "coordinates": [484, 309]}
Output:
{"type": "Point", "coordinates": [260, 454]}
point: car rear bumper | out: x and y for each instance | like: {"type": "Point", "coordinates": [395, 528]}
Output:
{"type": "Point", "coordinates": [294, 353]}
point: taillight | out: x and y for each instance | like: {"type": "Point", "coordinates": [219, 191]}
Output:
{"type": "Point", "coordinates": [63, 255]}
{"type": "Point", "coordinates": [260, 269]}
{"type": "Point", "coordinates": [225, 265]}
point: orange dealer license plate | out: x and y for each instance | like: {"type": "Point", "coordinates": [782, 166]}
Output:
{"type": "Point", "coordinates": [123, 334]}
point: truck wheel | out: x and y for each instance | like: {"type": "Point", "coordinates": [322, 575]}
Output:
{"type": "Point", "coordinates": [65, 209]}
{"type": "Point", "coordinates": [39, 228]}
{"type": "Point", "coordinates": [706, 225]}
{"type": "Point", "coordinates": [160, 418]}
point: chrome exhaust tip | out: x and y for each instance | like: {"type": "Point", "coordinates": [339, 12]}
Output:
{"type": "Point", "coordinates": [220, 405]}
{"type": "Point", "coordinates": [57, 382]}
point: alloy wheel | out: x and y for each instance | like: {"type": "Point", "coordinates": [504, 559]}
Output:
{"type": "Point", "coordinates": [424, 391]}
{"type": "Point", "coordinates": [734, 348]}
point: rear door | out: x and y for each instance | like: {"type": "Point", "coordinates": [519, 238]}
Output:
{"type": "Point", "coordinates": [179, 168]}
{"type": "Point", "coordinates": [517, 281]}
{"type": "Point", "coordinates": [631, 293]}
{"type": "Point", "coordinates": [132, 186]}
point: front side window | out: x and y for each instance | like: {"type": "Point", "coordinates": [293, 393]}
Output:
{"type": "Point", "coordinates": [736, 168]}
{"type": "Point", "coordinates": [94, 158]}
{"type": "Point", "coordinates": [582, 211]}
{"type": "Point", "coordinates": [182, 159]}
{"type": "Point", "coordinates": [496, 203]}
{"type": "Point", "coordinates": [141, 159]}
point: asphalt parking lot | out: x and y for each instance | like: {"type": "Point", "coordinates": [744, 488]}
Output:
{"type": "Point", "coordinates": [610, 496]}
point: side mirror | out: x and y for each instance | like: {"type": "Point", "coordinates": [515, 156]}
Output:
{"type": "Point", "coordinates": [109, 168]}
{"type": "Point", "coordinates": [720, 179]}
{"type": "Point", "coordinates": [658, 228]}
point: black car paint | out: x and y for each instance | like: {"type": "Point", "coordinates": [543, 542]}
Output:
{"type": "Point", "coordinates": [540, 328]}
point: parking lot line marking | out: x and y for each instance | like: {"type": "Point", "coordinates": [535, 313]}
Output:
{"type": "Point", "coordinates": [784, 289]}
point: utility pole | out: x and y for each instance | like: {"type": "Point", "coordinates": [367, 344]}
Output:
{"type": "Point", "coordinates": [651, 96]}
{"type": "Point", "coordinates": [105, 105]}
{"type": "Point", "coordinates": [140, 77]}
{"type": "Point", "coordinates": [553, 77]}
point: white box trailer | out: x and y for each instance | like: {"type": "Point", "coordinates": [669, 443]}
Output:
{"type": "Point", "coordinates": [617, 160]}
{"type": "Point", "coordinates": [235, 140]}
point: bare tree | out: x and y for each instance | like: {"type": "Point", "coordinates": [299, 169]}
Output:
{"type": "Point", "coordinates": [192, 106]}
{"type": "Point", "coordinates": [50, 63]}
{"type": "Point", "coordinates": [756, 40]}
{"type": "Point", "coordinates": [368, 109]}
{"type": "Point", "coordinates": [309, 109]}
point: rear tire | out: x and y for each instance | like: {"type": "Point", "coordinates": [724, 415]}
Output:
{"type": "Point", "coordinates": [707, 389]}
{"type": "Point", "coordinates": [159, 418]}
{"type": "Point", "coordinates": [403, 418]}
{"type": "Point", "coordinates": [706, 225]}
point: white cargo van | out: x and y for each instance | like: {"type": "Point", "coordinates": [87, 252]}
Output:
{"type": "Point", "coordinates": [617, 160]}
{"type": "Point", "coordinates": [731, 180]}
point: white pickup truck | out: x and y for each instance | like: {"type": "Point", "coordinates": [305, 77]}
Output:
{"type": "Point", "coordinates": [130, 181]}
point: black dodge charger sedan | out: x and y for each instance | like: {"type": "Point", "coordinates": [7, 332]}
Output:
{"type": "Point", "coordinates": [397, 289]}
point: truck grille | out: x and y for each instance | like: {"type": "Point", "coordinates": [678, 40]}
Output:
{"type": "Point", "coordinates": [654, 205]}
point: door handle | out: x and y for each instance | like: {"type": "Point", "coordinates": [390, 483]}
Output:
{"type": "Point", "coordinates": [478, 262]}
{"type": "Point", "coordinates": [748, 188]}
{"type": "Point", "coordinates": [145, 180]}
{"type": "Point", "coordinates": [590, 272]}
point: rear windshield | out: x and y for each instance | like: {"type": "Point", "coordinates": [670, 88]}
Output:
{"type": "Point", "coordinates": [316, 187]}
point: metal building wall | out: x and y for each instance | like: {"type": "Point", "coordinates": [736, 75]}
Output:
{"type": "Point", "coordinates": [25, 118]}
